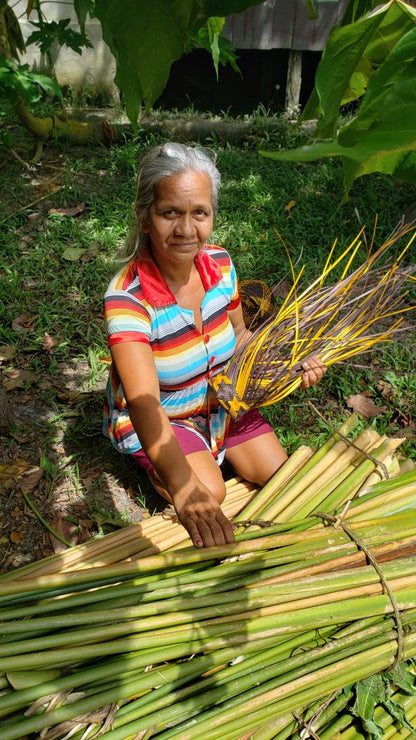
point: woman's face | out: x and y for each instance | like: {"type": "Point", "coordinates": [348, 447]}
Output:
{"type": "Point", "coordinates": [180, 218]}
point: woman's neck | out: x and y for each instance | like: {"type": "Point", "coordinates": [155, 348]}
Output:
{"type": "Point", "coordinates": [176, 276]}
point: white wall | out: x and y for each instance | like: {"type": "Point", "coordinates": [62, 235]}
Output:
{"type": "Point", "coordinates": [94, 69]}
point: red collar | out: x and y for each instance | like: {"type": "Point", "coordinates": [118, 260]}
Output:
{"type": "Point", "coordinates": [154, 286]}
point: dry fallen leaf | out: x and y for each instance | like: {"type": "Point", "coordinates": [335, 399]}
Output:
{"type": "Point", "coordinates": [74, 211]}
{"type": "Point", "coordinates": [18, 379]}
{"type": "Point", "coordinates": [16, 536]}
{"type": "Point", "coordinates": [10, 474]}
{"type": "Point", "coordinates": [290, 205]}
{"type": "Point", "coordinates": [364, 405]}
{"type": "Point", "coordinates": [386, 390]}
{"type": "Point", "coordinates": [48, 342]}
{"type": "Point", "coordinates": [23, 323]}
{"type": "Point", "coordinates": [30, 479]}
{"type": "Point", "coordinates": [7, 352]}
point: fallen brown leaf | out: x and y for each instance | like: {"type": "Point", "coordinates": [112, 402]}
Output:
{"type": "Point", "coordinates": [23, 323]}
{"type": "Point", "coordinates": [11, 473]}
{"type": "Point", "coordinates": [74, 211]}
{"type": "Point", "coordinates": [7, 352]}
{"type": "Point", "coordinates": [18, 379]}
{"type": "Point", "coordinates": [16, 536]}
{"type": "Point", "coordinates": [364, 405]}
{"type": "Point", "coordinates": [75, 533]}
{"type": "Point", "coordinates": [48, 343]}
{"type": "Point", "coordinates": [386, 390]}
{"type": "Point", "coordinates": [30, 479]}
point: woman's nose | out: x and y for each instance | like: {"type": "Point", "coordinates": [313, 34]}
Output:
{"type": "Point", "coordinates": [185, 225]}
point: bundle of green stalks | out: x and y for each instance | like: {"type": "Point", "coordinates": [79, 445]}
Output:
{"type": "Point", "coordinates": [224, 643]}
{"type": "Point", "coordinates": [332, 323]}
{"type": "Point", "coordinates": [343, 468]}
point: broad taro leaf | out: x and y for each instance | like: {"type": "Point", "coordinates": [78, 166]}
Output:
{"type": "Point", "coordinates": [352, 55]}
{"type": "Point", "coordinates": [386, 118]}
{"type": "Point", "coordinates": [381, 137]}
{"type": "Point", "coordinates": [341, 57]}
{"type": "Point", "coordinates": [146, 37]}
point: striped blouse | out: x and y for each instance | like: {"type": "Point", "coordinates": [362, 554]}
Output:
{"type": "Point", "coordinates": [139, 307]}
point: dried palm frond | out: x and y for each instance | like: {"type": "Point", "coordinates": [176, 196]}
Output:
{"type": "Point", "coordinates": [331, 323]}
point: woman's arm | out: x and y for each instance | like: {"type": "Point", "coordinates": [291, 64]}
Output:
{"type": "Point", "coordinates": [237, 319]}
{"type": "Point", "coordinates": [197, 508]}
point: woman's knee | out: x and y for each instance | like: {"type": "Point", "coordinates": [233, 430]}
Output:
{"type": "Point", "coordinates": [258, 459]}
{"type": "Point", "coordinates": [209, 473]}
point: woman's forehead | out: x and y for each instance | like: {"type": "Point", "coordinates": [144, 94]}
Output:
{"type": "Point", "coordinates": [187, 184]}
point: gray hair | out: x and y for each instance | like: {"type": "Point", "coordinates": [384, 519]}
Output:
{"type": "Point", "coordinates": [160, 162]}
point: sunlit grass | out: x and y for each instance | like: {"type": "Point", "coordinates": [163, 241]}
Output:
{"type": "Point", "coordinates": [261, 204]}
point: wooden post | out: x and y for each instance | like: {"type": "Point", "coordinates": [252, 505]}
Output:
{"type": "Point", "coordinates": [293, 81]}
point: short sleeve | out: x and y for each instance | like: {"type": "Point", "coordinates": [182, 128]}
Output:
{"type": "Point", "coordinates": [126, 318]}
{"type": "Point", "coordinates": [235, 299]}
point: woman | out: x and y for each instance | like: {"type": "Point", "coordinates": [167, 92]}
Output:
{"type": "Point", "coordinates": [174, 318]}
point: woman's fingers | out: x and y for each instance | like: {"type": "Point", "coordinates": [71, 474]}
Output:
{"type": "Point", "coordinates": [314, 370]}
{"type": "Point", "coordinates": [211, 528]}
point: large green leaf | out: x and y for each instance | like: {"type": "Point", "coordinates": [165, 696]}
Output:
{"type": "Point", "coordinates": [352, 54]}
{"type": "Point", "coordinates": [147, 36]}
{"type": "Point", "coordinates": [82, 8]}
{"type": "Point", "coordinates": [381, 137]}
{"type": "Point", "coordinates": [386, 118]}
{"type": "Point", "coordinates": [341, 57]}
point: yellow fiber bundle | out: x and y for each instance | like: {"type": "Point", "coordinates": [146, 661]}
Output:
{"type": "Point", "coordinates": [332, 323]}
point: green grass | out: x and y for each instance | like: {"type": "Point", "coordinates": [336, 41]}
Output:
{"type": "Point", "coordinates": [64, 298]}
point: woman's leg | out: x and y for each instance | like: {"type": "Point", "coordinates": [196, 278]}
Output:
{"type": "Point", "coordinates": [257, 459]}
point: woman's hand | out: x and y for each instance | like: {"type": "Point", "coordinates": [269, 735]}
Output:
{"type": "Point", "coordinates": [313, 371]}
{"type": "Point", "coordinates": [200, 513]}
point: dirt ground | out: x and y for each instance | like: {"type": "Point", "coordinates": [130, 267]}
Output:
{"type": "Point", "coordinates": [101, 496]}
{"type": "Point", "coordinates": [57, 471]}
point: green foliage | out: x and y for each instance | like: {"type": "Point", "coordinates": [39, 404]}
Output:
{"type": "Point", "coordinates": [83, 8]}
{"type": "Point", "coordinates": [18, 79]}
{"type": "Point", "coordinates": [50, 32]}
{"type": "Point", "coordinates": [369, 691]}
{"type": "Point", "coordinates": [14, 34]}
{"type": "Point", "coordinates": [373, 57]}
{"type": "Point", "coordinates": [222, 49]}
{"type": "Point", "coordinates": [156, 35]}
{"type": "Point", "coordinates": [376, 691]}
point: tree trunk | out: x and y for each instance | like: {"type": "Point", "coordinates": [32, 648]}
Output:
{"type": "Point", "coordinates": [293, 82]}
{"type": "Point", "coordinates": [97, 130]}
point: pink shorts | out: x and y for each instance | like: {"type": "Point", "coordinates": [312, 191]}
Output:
{"type": "Point", "coordinates": [247, 427]}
